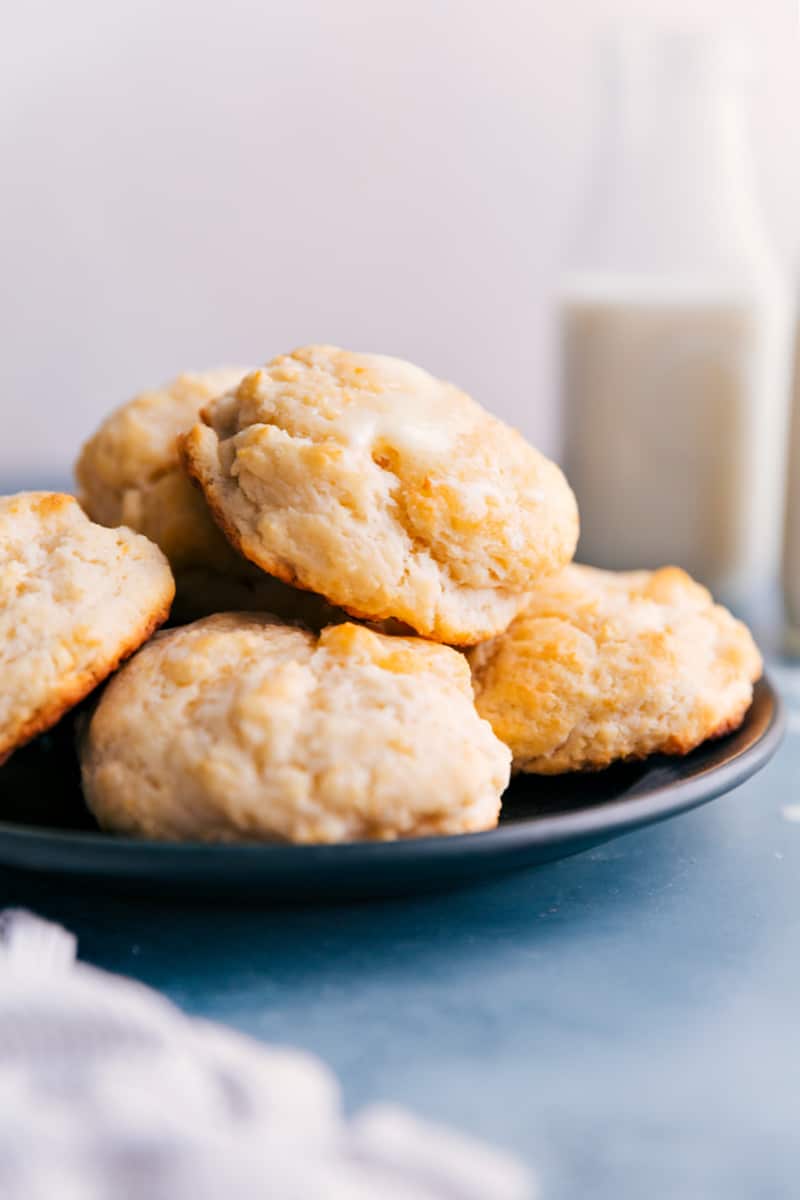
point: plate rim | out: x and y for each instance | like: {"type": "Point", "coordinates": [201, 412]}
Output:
{"type": "Point", "coordinates": [612, 818]}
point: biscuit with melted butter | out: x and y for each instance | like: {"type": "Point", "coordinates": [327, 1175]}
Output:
{"type": "Point", "coordinates": [389, 492]}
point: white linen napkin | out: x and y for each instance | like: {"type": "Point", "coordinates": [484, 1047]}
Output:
{"type": "Point", "coordinates": [108, 1092]}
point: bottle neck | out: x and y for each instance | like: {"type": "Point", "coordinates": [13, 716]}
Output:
{"type": "Point", "coordinates": [706, 182]}
{"type": "Point", "coordinates": [677, 189]}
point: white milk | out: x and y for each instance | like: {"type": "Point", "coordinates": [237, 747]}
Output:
{"type": "Point", "coordinates": [674, 408]}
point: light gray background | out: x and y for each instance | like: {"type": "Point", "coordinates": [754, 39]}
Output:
{"type": "Point", "coordinates": [189, 183]}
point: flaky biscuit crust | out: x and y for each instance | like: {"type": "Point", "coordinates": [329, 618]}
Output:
{"type": "Point", "coordinates": [130, 473]}
{"type": "Point", "coordinates": [391, 493]}
{"type": "Point", "coordinates": [75, 600]}
{"type": "Point", "coordinates": [605, 666]}
{"type": "Point", "coordinates": [241, 728]}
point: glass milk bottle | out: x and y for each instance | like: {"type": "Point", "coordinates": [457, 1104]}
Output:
{"type": "Point", "coordinates": [674, 330]}
{"type": "Point", "coordinates": [791, 544]}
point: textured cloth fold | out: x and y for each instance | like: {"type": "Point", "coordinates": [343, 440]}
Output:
{"type": "Point", "coordinates": [108, 1092]}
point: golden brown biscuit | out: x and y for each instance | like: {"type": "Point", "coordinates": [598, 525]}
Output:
{"type": "Point", "coordinates": [604, 666]}
{"type": "Point", "coordinates": [129, 473]}
{"type": "Point", "coordinates": [239, 727]}
{"type": "Point", "coordinates": [75, 599]}
{"type": "Point", "coordinates": [391, 493]}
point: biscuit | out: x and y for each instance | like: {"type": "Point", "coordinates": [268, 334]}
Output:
{"type": "Point", "coordinates": [390, 493]}
{"type": "Point", "coordinates": [75, 599]}
{"type": "Point", "coordinates": [129, 473]}
{"type": "Point", "coordinates": [604, 666]}
{"type": "Point", "coordinates": [240, 728]}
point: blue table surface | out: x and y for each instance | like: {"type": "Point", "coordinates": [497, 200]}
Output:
{"type": "Point", "coordinates": [626, 1020]}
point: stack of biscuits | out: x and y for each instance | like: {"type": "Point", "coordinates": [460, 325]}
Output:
{"type": "Point", "coordinates": [373, 614]}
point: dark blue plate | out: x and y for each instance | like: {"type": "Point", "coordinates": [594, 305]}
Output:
{"type": "Point", "coordinates": [45, 827]}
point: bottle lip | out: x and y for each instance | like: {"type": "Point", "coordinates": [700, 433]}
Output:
{"type": "Point", "coordinates": [688, 55]}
